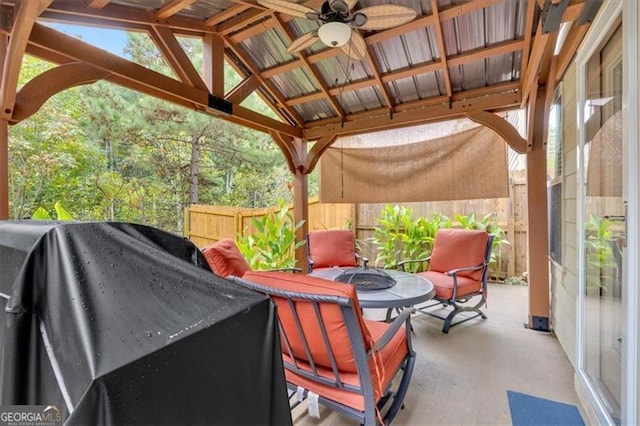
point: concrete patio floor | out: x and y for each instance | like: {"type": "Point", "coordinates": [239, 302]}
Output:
{"type": "Point", "coordinates": [462, 378]}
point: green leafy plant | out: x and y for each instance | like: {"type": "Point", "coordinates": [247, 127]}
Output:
{"type": "Point", "coordinates": [599, 254]}
{"type": "Point", "coordinates": [61, 214]}
{"type": "Point", "coordinates": [398, 236]}
{"type": "Point", "coordinates": [489, 224]}
{"type": "Point", "coordinates": [273, 244]}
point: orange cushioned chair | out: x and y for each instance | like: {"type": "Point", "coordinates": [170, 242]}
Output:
{"type": "Point", "coordinates": [331, 248]}
{"type": "Point", "coordinates": [224, 259]}
{"type": "Point", "coordinates": [458, 268]}
{"type": "Point", "coordinates": [329, 350]}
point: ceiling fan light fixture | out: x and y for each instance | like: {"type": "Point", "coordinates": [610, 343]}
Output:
{"type": "Point", "coordinates": [334, 34]}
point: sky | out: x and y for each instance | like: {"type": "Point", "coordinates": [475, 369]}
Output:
{"type": "Point", "coordinates": [113, 41]}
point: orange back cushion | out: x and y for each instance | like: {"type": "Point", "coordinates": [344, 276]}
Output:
{"type": "Point", "coordinates": [336, 247]}
{"type": "Point", "coordinates": [458, 248]}
{"type": "Point", "coordinates": [330, 314]}
{"type": "Point", "coordinates": [225, 259]}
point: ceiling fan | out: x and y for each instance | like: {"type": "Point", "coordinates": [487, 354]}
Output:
{"type": "Point", "coordinates": [338, 22]}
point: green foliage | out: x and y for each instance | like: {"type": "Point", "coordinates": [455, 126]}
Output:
{"type": "Point", "coordinates": [116, 154]}
{"type": "Point", "coordinates": [273, 243]}
{"type": "Point", "coordinates": [489, 224]}
{"type": "Point", "coordinates": [61, 213]}
{"type": "Point", "coordinates": [599, 254]}
{"type": "Point", "coordinates": [398, 236]}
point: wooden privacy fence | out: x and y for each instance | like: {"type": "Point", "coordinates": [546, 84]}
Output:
{"type": "Point", "coordinates": [206, 224]}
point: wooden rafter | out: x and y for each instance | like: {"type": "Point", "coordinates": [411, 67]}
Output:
{"type": "Point", "coordinates": [172, 8]}
{"type": "Point", "coordinates": [240, 92]}
{"type": "Point", "coordinates": [232, 11]}
{"type": "Point", "coordinates": [24, 19]}
{"type": "Point", "coordinates": [417, 116]}
{"type": "Point", "coordinates": [176, 57]}
{"type": "Point", "coordinates": [122, 17]}
{"type": "Point", "coordinates": [98, 4]}
{"type": "Point", "coordinates": [316, 76]}
{"type": "Point", "coordinates": [417, 69]}
{"type": "Point", "coordinates": [537, 52]}
{"type": "Point", "coordinates": [242, 20]}
{"type": "Point", "coordinates": [528, 30]}
{"type": "Point", "coordinates": [266, 84]}
{"type": "Point", "coordinates": [569, 48]}
{"type": "Point", "coordinates": [147, 81]}
{"type": "Point", "coordinates": [441, 48]}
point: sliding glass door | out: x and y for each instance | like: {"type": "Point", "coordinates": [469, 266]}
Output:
{"type": "Point", "coordinates": [603, 349]}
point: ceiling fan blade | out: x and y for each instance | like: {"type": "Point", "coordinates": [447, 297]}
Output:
{"type": "Point", "coordinates": [386, 16]}
{"type": "Point", "coordinates": [356, 47]}
{"type": "Point", "coordinates": [351, 3]}
{"type": "Point", "coordinates": [303, 42]}
{"type": "Point", "coordinates": [287, 7]}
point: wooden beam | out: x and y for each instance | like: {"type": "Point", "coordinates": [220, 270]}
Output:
{"type": "Point", "coordinates": [441, 48]}
{"type": "Point", "coordinates": [42, 87]}
{"type": "Point", "coordinates": [291, 155]}
{"type": "Point", "coordinates": [486, 52]}
{"type": "Point", "coordinates": [540, 44]}
{"type": "Point", "coordinates": [502, 127]}
{"type": "Point", "coordinates": [301, 206]}
{"type": "Point", "coordinates": [319, 147]}
{"type": "Point", "coordinates": [172, 8]}
{"type": "Point", "coordinates": [537, 238]}
{"type": "Point", "coordinates": [176, 57]}
{"type": "Point", "coordinates": [242, 20]}
{"type": "Point", "coordinates": [243, 90]}
{"type": "Point", "coordinates": [229, 12]}
{"type": "Point", "coordinates": [528, 30]}
{"type": "Point", "coordinates": [417, 116]}
{"type": "Point", "coordinates": [4, 143]}
{"type": "Point", "coordinates": [148, 81]}
{"type": "Point", "coordinates": [98, 4]}
{"type": "Point", "coordinates": [569, 49]}
{"type": "Point", "coordinates": [24, 19]}
{"type": "Point", "coordinates": [266, 84]}
{"type": "Point", "coordinates": [213, 63]}
{"type": "Point", "coordinates": [476, 54]}
{"type": "Point", "coordinates": [118, 16]}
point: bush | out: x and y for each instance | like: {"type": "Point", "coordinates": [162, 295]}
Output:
{"type": "Point", "coordinates": [273, 244]}
{"type": "Point", "coordinates": [400, 237]}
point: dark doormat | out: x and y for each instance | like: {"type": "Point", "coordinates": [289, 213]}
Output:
{"type": "Point", "coordinates": [527, 410]}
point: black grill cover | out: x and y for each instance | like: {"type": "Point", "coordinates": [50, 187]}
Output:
{"type": "Point", "coordinates": [125, 324]}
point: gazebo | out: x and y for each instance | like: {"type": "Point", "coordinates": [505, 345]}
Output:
{"type": "Point", "coordinates": [472, 59]}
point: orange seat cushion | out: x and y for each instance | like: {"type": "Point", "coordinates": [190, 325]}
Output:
{"type": "Point", "coordinates": [336, 247]}
{"type": "Point", "coordinates": [382, 369]}
{"type": "Point", "coordinates": [443, 285]}
{"type": "Point", "coordinates": [331, 316]}
{"type": "Point", "coordinates": [225, 259]}
{"type": "Point", "coordinates": [459, 248]}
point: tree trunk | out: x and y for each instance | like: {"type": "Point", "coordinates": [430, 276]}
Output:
{"type": "Point", "coordinates": [194, 169]}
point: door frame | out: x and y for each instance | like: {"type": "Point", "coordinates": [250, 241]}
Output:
{"type": "Point", "coordinates": [609, 13]}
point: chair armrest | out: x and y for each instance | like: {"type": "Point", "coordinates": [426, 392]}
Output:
{"type": "Point", "coordinates": [401, 319]}
{"type": "Point", "coordinates": [467, 268]}
{"type": "Point", "coordinates": [407, 261]}
{"type": "Point", "coordinates": [287, 269]}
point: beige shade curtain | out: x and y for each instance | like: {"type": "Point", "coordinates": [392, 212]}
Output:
{"type": "Point", "coordinates": [468, 165]}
